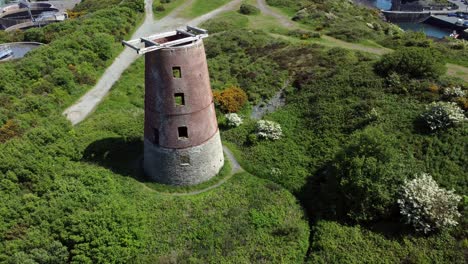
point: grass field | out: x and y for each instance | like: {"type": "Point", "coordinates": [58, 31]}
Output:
{"type": "Point", "coordinates": [168, 7]}
{"type": "Point", "coordinates": [200, 7]}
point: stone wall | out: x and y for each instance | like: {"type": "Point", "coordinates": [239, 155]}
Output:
{"type": "Point", "coordinates": [184, 167]}
{"type": "Point", "coordinates": [406, 17]}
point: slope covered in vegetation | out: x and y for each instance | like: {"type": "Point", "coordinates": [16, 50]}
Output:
{"type": "Point", "coordinates": [54, 75]}
{"type": "Point", "coordinates": [354, 129]}
{"type": "Point", "coordinates": [350, 139]}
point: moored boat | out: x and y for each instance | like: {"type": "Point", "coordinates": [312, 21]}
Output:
{"type": "Point", "coordinates": [5, 52]}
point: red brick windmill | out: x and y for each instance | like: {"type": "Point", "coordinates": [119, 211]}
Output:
{"type": "Point", "coordinates": [182, 142]}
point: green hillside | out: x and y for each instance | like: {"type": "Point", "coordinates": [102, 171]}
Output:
{"type": "Point", "coordinates": [357, 127]}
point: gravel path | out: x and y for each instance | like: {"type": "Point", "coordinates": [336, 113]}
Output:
{"type": "Point", "coordinates": [453, 69]}
{"type": "Point", "coordinates": [88, 102]}
{"type": "Point", "coordinates": [284, 21]}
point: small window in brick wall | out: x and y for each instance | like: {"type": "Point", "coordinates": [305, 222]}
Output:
{"type": "Point", "coordinates": [179, 99]}
{"type": "Point", "coordinates": [176, 72]}
{"type": "Point", "coordinates": [156, 136]}
{"type": "Point", "coordinates": [184, 160]}
{"type": "Point", "coordinates": [183, 132]}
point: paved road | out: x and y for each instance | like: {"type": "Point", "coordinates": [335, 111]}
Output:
{"type": "Point", "coordinates": [88, 102]}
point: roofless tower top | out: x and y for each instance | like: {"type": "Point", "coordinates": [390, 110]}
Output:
{"type": "Point", "coordinates": [182, 143]}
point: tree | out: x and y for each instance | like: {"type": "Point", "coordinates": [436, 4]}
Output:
{"type": "Point", "coordinates": [414, 62]}
{"type": "Point", "coordinates": [368, 172]}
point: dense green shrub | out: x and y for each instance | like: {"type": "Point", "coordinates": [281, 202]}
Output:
{"type": "Point", "coordinates": [159, 8]}
{"type": "Point", "coordinates": [74, 197]}
{"type": "Point", "coordinates": [412, 62]}
{"type": "Point", "coordinates": [335, 243]}
{"type": "Point", "coordinates": [369, 173]}
{"type": "Point", "coordinates": [50, 77]}
{"type": "Point", "coordinates": [247, 9]}
{"type": "Point", "coordinates": [92, 5]}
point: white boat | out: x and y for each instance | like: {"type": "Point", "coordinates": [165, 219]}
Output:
{"type": "Point", "coordinates": [5, 52]}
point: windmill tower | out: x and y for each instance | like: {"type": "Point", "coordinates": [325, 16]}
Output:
{"type": "Point", "coordinates": [182, 144]}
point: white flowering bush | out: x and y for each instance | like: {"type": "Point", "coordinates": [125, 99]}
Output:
{"type": "Point", "coordinates": [454, 92]}
{"type": "Point", "coordinates": [269, 130]}
{"type": "Point", "coordinates": [426, 206]}
{"type": "Point", "coordinates": [443, 114]}
{"type": "Point", "coordinates": [233, 120]}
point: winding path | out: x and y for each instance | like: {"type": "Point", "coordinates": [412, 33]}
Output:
{"type": "Point", "coordinates": [88, 102]}
{"type": "Point", "coordinates": [453, 69]}
{"type": "Point", "coordinates": [282, 19]}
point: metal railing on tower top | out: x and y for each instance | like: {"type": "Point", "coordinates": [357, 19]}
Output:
{"type": "Point", "coordinates": [166, 40]}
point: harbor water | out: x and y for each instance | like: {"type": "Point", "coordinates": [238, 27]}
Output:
{"type": "Point", "coordinates": [21, 48]}
{"type": "Point", "coordinates": [382, 4]}
{"type": "Point", "coordinates": [429, 30]}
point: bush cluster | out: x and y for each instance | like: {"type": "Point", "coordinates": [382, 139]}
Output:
{"type": "Point", "coordinates": [247, 9]}
{"type": "Point", "coordinates": [50, 77]}
{"type": "Point", "coordinates": [268, 130]}
{"type": "Point", "coordinates": [426, 206]}
{"type": "Point", "coordinates": [233, 120]}
{"type": "Point", "coordinates": [454, 92]}
{"type": "Point", "coordinates": [369, 170]}
{"type": "Point", "coordinates": [230, 100]}
{"type": "Point", "coordinates": [440, 115]}
{"type": "Point", "coordinates": [414, 62]}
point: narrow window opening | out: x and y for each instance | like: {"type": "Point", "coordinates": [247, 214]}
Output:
{"type": "Point", "coordinates": [156, 136]}
{"type": "Point", "coordinates": [179, 99]}
{"type": "Point", "coordinates": [183, 132]}
{"type": "Point", "coordinates": [184, 160]}
{"type": "Point", "coordinates": [176, 72]}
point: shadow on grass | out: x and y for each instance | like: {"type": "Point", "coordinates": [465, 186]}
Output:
{"type": "Point", "coordinates": [322, 200]}
{"type": "Point", "coordinates": [120, 155]}
{"type": "Point", "coordinates": [125, 157]}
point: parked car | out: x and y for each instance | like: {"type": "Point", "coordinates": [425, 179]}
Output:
{"type": "Point", "coordinates": [452, 14]}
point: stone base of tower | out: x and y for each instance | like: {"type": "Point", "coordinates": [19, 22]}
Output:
{"type": "Point", "coordinates": [184, 167]}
